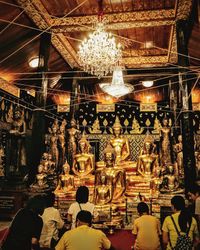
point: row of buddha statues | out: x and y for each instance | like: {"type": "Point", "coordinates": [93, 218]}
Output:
{"type": "Point", "coordinates": [56, 143]}
{"type": "Point", "coordinates": [116, 177]}
{"type": "Point", "coordinates": [61, 142]}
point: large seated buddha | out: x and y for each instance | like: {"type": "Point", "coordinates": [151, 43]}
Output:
{"type": "Point", "coordinates": [115, 180]}
{"type": "Point", "coordinates": [148, 179]}
{"type": "Point", "coordinates": [83, 163]}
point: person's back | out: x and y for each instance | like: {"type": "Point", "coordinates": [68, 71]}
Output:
{"type": "Point", "coordinates": [146, 230]}
{"type": "Point", "coordinates": [183, 221]}
{"type": "Point", "coordinates": [82, 203]}
{"type": "Point", "coordinates": [52, 222]}
{"type": "Point", "coordinates": [169, 227]}
{"type": "Point", "coordinates": [26, 227]}
{"type": "Point", "coordinates": [83, 237]}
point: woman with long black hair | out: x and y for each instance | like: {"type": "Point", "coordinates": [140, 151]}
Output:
{"type": "Point", "coordinates": [82, 203]}
{"type": "Point", "coordinates": [180, 222]}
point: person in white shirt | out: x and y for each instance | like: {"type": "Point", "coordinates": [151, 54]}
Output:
{"type": "Point", "coordinates": [52, 222]}
{"type": "Point", "coordinates": [82, 203]}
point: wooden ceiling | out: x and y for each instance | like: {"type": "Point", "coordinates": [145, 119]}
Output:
{"type": "Point", "coordinates": [146, 30]}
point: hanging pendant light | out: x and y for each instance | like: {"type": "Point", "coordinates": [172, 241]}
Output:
{"type": "Point", "coordinates": [99, 53]}
{"type": "Point", "coordinates": [117, 87]}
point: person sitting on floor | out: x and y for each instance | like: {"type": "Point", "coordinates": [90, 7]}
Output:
{"type": "Point", "coordinates": [83, 237]}
{"type": "Point", "coordinates": [146, 230]}
{"type": "Point", "coordinates": [52, 222]}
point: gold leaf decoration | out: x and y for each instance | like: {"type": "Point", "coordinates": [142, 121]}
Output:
{"type": "Point", "coordinates": [148, 123]}
{"type": "Point", "coordinates": [126, 122]}
{"type": "Point", "coordinates": [105, 122]}
{"type": "Point", "coordinates": [84, 123]}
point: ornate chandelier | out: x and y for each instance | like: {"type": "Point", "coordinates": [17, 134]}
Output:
{"type": "Point", "coordinates": [117, 87]}
{"type": "Point", "coordinates": [99, 53]}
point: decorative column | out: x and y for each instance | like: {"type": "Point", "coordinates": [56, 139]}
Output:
{"type": "Point", "coordinates": [186, 105]}
{"type": "Point", "coordinates": [38, 131]}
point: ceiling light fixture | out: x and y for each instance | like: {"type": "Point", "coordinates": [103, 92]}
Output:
{"type": "Point", "coordinates": [99, 54]}
{"type": "Point", "coordinates": [33, 62]}
{"type": "Point", "coordinates": [117, 87]}
{"type": "Point", "coordinates": [147, 84]}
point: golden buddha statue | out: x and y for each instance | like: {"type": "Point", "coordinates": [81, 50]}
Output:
{"type": "Point", "coordinates": [95, 127]}
{"type": "Point", "coordinates": [119, 143]}
{"type": "Point", "coordinates": [83, 164]}
{"type": "Point", "coordinates": [147, 164]}
{"type": "Point", "coordinates": [17, 141]}
{"type": "Point", "coordinates": [73, 134]}
{"type": "Point", "coordinates": [157, 126]}
{"type": "Point", "coordinates": [40, 183]}
{"type": "Point", "coordinates": [115, 176]}
{"type": "Point", "coordinates": [65, 181]}
{"type": "Point", "coordinates": [53, 142]}
{"type": "Point", "coordinates": [178, 149]}
{"type": "Point", "coordinates": [170, 183]}
{"type": "Point", "coordinates": [165, 143]}
{"type": "Point", "coordinates": [136, 129]}
{"type": "Point", "coordinates": [102, 192]}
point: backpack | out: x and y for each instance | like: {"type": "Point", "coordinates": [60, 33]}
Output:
{"type": "Point", "coordinates": [183, 241]}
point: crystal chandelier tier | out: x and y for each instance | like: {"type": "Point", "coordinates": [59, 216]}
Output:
{"type": "Point", "coordinates": [117, 87]}
{"type": "Point", "coordinates": [99, 53]}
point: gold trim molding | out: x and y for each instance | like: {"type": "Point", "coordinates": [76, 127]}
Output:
{"type": "Point", "coordinates": [9, 88]}
{"type": "Point", "coordinates": [37, 12]}
{"type": "Point", "coordinates": [115, 21]}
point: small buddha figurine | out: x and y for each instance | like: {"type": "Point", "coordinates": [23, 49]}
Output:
{"type": "Point", "coordinates": [103, 192]}
{"type": "Point", "coordinates": [95, 127]}
{"type": "Point", "coordinates": [157, 126]}
{"type": "Point", "coordinates": [73, 134]}
{"type": "Point", "coordinates": [147, 164]}
{"type": "Point", "coordinates": [65, 181]}
{"type": "Point", "coordinates": [178, 149]}
{"type": "Point", "coordinates": [115, 176]}
{"type": "Point", "coordinates": [17, 140]}
{"type": "Point", "coordinates": [136, 129]}
{"type": "Point", "coordinates": [170, 183]}
{"type": "Point", "coordinates": [41, 180]}
{"type": "Point", "coordinates": [51, 164]}
{"type": "Point", "coordinates": [83, 164]}
{"type": "Point", "coordinates": [44, 162]}
{"type": "Point", "coordinates": [119, 143]}
{"type": "Point", "coordinates": [54, 142]}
